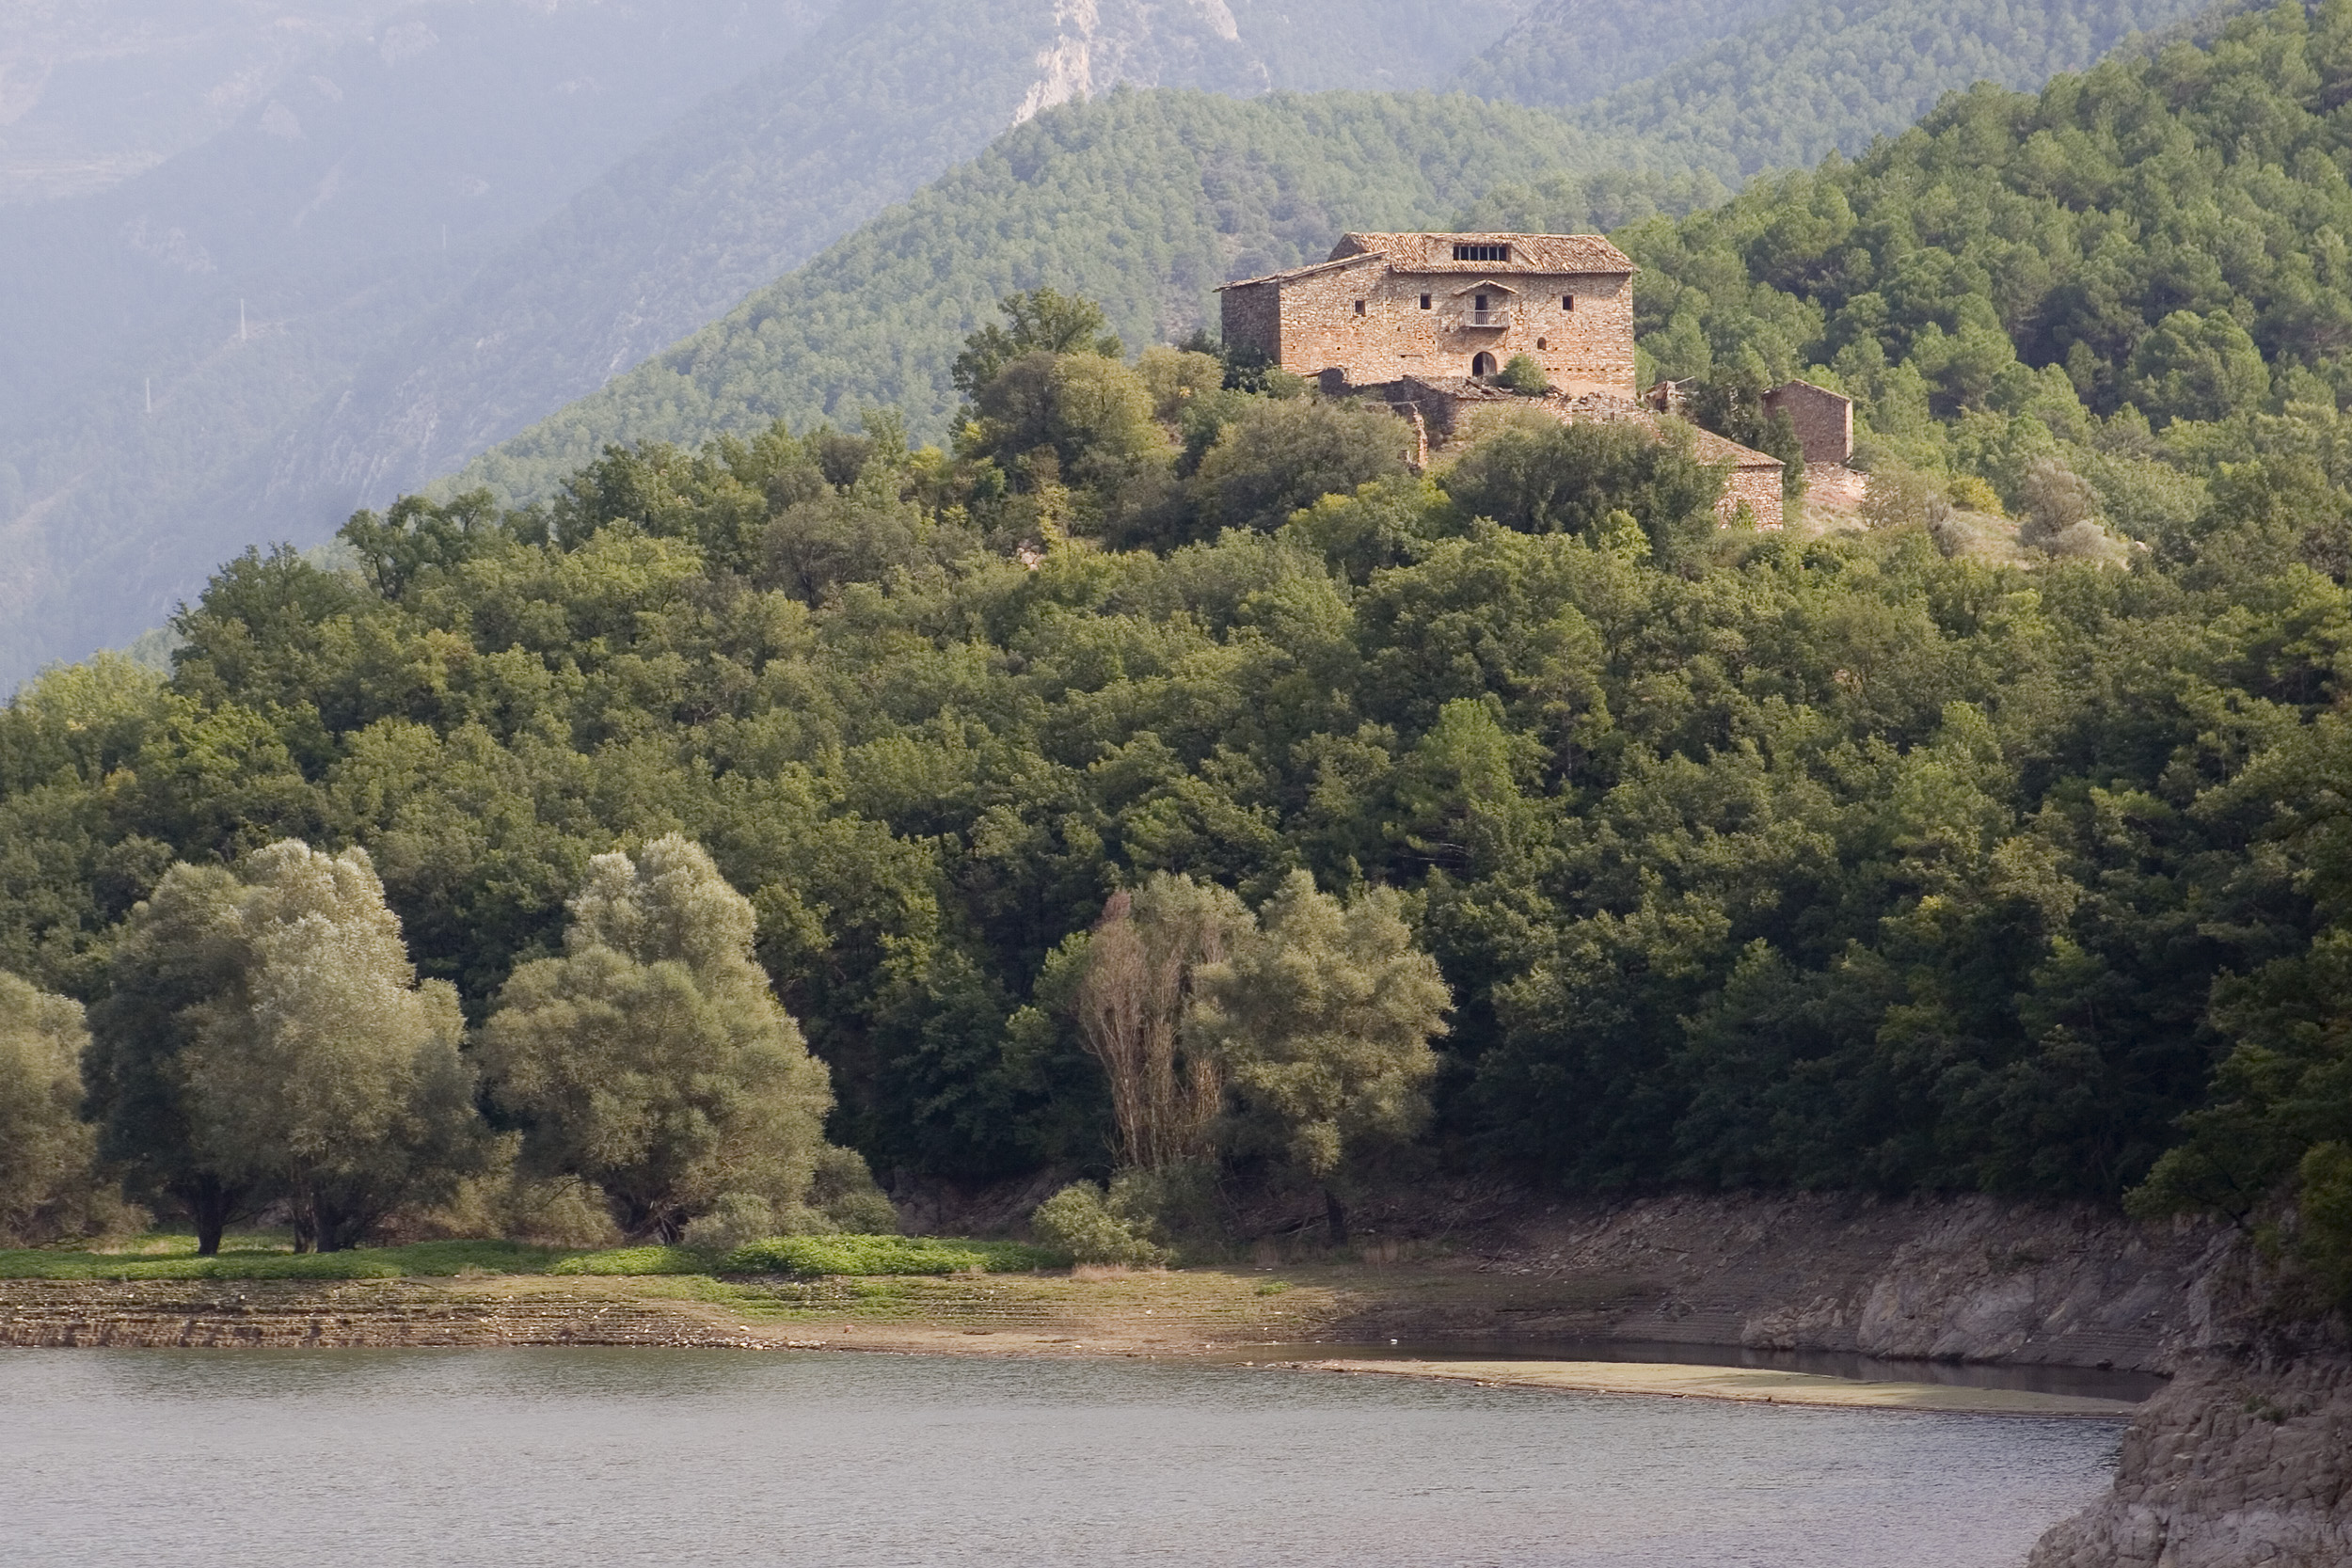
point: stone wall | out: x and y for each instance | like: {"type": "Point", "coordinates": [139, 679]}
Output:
{"type": "Point", "coordinates": [1824, 419]}
{"type": "Point", "coordinates": [1251, 317]}
{"type": "Point", "coordinates": [1370, 322]}
{"type": "Point", "coordinates": [1756, 489]}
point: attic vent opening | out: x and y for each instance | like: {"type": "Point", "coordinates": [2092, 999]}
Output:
{"type": "Point", "coordinates": [1482, 252]}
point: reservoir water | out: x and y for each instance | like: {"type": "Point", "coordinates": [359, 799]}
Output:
{"type": "Point", "coordinates": [605, 1458]}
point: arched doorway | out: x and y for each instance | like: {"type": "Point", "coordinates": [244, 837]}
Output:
{"type": "Point", "coordinates": [1483, 366]}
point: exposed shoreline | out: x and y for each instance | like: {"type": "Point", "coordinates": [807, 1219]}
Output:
{"type": "Point", "coordinates": [233, 1315]}
{"type": "Point", "coordinates": [1221, 1314]}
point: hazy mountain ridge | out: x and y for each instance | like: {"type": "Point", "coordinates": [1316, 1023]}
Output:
{"type": "Point", "coordinates": [758, 179]}
{"type": "Point", "coordinates": [430, 360]}
{"type": "Point", "coordinates": [94, 91]}
{"type": "Point", "coordinates": [355, 194]}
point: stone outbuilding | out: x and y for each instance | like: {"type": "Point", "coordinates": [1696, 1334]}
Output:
{"type": "Point", "coordinates": [1822, 420]}
{"type": "Point", "coordinates": [1387, 306]}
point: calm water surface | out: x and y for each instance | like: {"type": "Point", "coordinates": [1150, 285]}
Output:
{"type": "Point", "coordinates": [599, 1459]}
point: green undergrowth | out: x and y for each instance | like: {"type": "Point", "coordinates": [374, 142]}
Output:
{"type": "Point", "coordinates": [420, 1259]}
{"type": "Point", "coordinates": [265, 1257]}
{"type": "Point", "coordinates": [813, 1257]}
{"type": "Point", "coordinates": [635, 1261]}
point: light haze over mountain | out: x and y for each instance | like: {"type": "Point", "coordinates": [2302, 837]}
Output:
{"type": "Point", "coordinates": [315, 255]}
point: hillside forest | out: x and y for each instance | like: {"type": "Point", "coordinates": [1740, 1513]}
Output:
{"type": "Point", "coordinates": [1158, 781]}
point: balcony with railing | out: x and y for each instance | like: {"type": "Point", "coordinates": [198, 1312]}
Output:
{"type": "Point", "coordinates": [1482, 320]}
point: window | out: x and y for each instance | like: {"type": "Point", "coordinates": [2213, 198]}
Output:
{"type": "Point", "coordinates": [1568, 302]}
{"type": "Point", "coordinates": [1359, 307]}
{"type": "Point", "coordinates": [1424, 302]}
{"type": "Point", "coordinates": [1482, 252]}
{"type": "Point", "coordinates": [1543, 342]}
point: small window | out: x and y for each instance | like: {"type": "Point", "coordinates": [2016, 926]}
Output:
{"type": "Point", "coordinates": [1543, 342]}
{"type": "Point", "coordinates": [1359, 307]}
{"type": "Point", "coordinates": [1482, 252]}
{"type": "Point", "coordinates": [1424, 302]}
{"type": "Point", "coordinates": [1568, 302]}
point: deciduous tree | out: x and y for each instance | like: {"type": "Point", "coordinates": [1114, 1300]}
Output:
{"type": "Point", "coordinates": [1321, 1021]}
{"type": "Point", "coordinates": [48, 1183]}
{"type": "Point", "coordinates": [652, 1059]}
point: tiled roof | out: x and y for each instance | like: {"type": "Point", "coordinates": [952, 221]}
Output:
{"type": "Point", "coordinates": [1337, 264]}
{"type": "Point", "coordinates": [1541, 253]}
{"type": "Point", "coordinates": [1558, 254]}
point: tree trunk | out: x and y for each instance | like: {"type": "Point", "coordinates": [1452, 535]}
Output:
{"type": "Point", "coordinates": [210, 1204]}
{"type": "Point", "coordinates": [1336, 1215]}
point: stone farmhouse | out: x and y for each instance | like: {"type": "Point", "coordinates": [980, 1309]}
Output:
{"type": "Point", "coordinates": [1424, 322]}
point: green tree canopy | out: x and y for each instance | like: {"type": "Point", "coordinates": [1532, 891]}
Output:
{"type": "Point", "coordinates": [325, 1073]}
{"type": "Point", "coordinates": [1321, 1021]}
{"type": "Point", "coordinates": [1567, 479]}
{"type": "Point", "coordinates": [1037, 321]}
{"type": "Point", "coordinates": [48, 1185]}
{"type": "Point", "coordinates": [652, 1060]}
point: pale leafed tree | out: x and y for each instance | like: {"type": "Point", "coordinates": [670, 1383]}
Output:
{"type": "Point", "coordinates": [1321, 1021]}
{"type": "Point", "coordinates": [47, 1183]}
{"type": "Point", "coordinates": [652, 1059]}
{"type": "Point", "coordinates": [327, 1073]}
{"type": "Point", "coordinates": [1131, 1000]}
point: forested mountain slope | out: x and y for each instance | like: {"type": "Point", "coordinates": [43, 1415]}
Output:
{"type": "Point", "coordinates": [1828, 75]}
{"type": "Point", "coordinates": [386, 360]}
{"type": "Point", "coordinates": [1567, 52]}
{"type": "Point", "coordinates": [1142, 200]}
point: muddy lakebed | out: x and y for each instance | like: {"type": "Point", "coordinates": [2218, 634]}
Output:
{"type": "Point", "coordinates": [596, 1457]}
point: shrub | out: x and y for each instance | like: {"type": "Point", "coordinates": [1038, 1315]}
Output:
{"type": "Point", "coordinates": [813, 1256]}
{"type": "Point", "coordinates": [1078, 1221]}
{"type": "Point", "coordinates": [1524, 374]}
{"type": "Point", "coordinates": [2326, 1233]}
{"type": "Point", "coordinates": [737, 1218]}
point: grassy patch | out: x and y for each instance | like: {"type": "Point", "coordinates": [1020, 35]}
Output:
{"type": "Point", "coordinates": [813, 1257]}
{"type": "Point", "coordinates": [632, 1261]}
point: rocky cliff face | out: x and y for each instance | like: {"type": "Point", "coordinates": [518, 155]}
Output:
{"type": "Point", "coordinates": [1961, 1279]}
{"type": "Point", "coordinates": [2236, 1462]}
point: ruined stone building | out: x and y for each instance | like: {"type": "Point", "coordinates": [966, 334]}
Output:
{"type": "Point", "coordinates": [1822, 420]}
{"type": "Point", "coordinates": [1389, 305]}
{"type": "Point", "coordinates": [1424, 322]}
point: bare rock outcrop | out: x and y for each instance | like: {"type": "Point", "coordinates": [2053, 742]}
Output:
{"type": "Point", "coordinates": [2237, 1463]}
